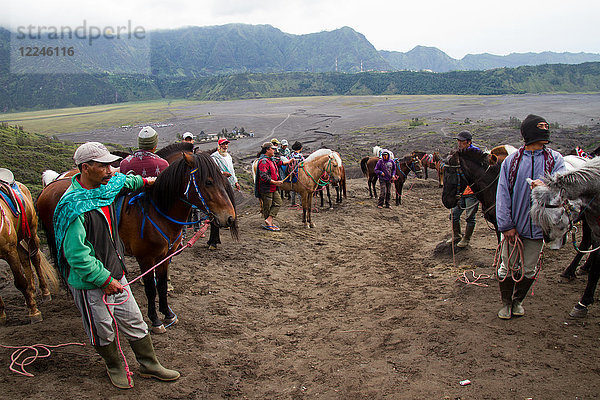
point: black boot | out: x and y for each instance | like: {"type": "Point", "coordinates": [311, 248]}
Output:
{"type": "Point", "coordinates": [149, 365]}
{"type": "Point", "coordinates": [521, 289]}
{"type": "Point", "coordinates": [456, 236]}
{"type": "Point", "coordinates": [506, 291]}
{"type": "Point", "coordinates": [464, 242]}
{"type": "Point", "coordinates": [114, 366]}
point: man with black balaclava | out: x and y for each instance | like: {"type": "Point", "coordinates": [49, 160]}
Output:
{"type": "Point", "coordinates": [513, 202]}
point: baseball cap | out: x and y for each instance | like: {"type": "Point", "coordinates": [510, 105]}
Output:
{"type": "Point", "coordinates": [188, 135]}
{"type": "Point", "coordinates": [93, 151]}
{"type": "Point", "coordinates": [222, 140]}
{"type": "Point", "coordinates": [464, 135]}
{"type": "Point", "coordinates": [275, 141]}
{"type": "Point", "coordinates": [284, 142]}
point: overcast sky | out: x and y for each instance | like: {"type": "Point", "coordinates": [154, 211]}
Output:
{"type": "Point", "coordinates": [456, 27]}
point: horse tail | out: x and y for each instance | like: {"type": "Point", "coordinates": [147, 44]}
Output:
{"type": "Point", "coordinates": [48, 272]}
{"type": "Point", "coordinates": [363, 165]}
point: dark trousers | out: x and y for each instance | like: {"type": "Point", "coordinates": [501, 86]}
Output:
{"type": "Point", "coordinates": [385, 193]}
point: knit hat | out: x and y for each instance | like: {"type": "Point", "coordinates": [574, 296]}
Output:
{"type": "Point", "coordinates": [147, 138]}
{"type": "Point", "coordinates": [93, 151]}
{"type": "Point", "coordinates": [464, 135]}
{"type": "Point", "coordinates": [530, 131]}
{"type": "Point", "coordinates": [297, 146]}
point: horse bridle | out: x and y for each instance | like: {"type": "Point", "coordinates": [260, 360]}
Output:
{"type": "Point", "coordinates": [411, 167]}
{"type": "Point", "coordinates": [326, 172]}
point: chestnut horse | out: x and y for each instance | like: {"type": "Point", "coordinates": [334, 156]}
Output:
{"type": "Point", "coordinates": [151, 220]}
{"type": "Point", "coordinates": [433, 161]}
{"type": "Point", "coordinates": [20, 246]}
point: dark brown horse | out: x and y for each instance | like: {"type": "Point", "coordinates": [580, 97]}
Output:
{"type": "Point", "coordinates": [405, 164]}
{"type": "Point", "coordinates": [151, 221]}
{"type": "Point", "coordinates": [20, 247]}
{"type": "Point", "coordinates": [433, 161]}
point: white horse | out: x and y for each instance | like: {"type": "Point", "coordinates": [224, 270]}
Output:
{"type": "Point", "coordinates": [377, 152]}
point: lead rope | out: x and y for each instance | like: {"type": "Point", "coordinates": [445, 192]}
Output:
{"type": "Point", "coordinates": [188, 244]}
{"type": "Point", "coordinates": [514, 271]}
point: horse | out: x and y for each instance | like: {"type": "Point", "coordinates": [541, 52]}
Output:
{"type": "Point", "coordinates": [20, 245]}
{"type": "Point", "coordinates": [340, 190]}
{"type": "Point", "coordinates": [555, 207]}
{"type": "Point", "coordinates": [367, 165]}
{"type": "Point", "coordinates": [151, 220]}
{"type": "Point", "coordinates": [403, 168]}
{"type": "Point", "coordinates": [317, 170]}
{"type": "Point", "coordinates": [477, 169]}
{"type": "Point", "coordinates": [502, 151]}
{"type": "Point", "coordinates": [377, 152]}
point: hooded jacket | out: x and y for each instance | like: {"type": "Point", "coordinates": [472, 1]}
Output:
{"type": "Point", "coordinates": [385, 170]}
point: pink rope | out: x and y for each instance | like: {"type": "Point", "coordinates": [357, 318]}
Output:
{"type": "Point", "coordinates": [191, 242]}
{"type": "Point", "coordinates": [21, 350]}
{"type": "Point", "coordinates": [475, 281]}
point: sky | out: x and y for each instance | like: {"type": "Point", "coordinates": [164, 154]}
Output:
{"type": "Point", "coordinates": [456, 27]}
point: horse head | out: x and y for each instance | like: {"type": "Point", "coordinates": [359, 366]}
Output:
{"type": "Point", "coordinates": [335, 172]}
{"type": "Point", "coordinates": [195, 179]}
{"type": "Point", "coordinates": [416, 166]}
{"type": "Point", "coordinates": [453, 185]}
{"type": "Point", "coordinates": [552, 214]}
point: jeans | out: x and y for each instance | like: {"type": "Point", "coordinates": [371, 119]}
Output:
{"type": "Point", "coordinates": [470, 205]}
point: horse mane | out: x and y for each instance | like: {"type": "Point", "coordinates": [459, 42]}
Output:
{"type": "Point", "coordinates": [585, 179]}
{"type": "Point", "coordinates": [318, 153]}
{"type": "Point", "coordinates": [174, 148]}
{"type": "Point", "coordinates": [476, 155]}
{"type": "Point", "coordinates": [170, 181]}
{"type": "Point", "coordinates": [405, 159]}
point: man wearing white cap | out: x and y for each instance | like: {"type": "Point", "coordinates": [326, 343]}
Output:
{"type": "Point", "coordinates": [90, 259]}
{"type": "Point", "coordinates": [144, 162]}
{"type": "Point", "coordinates": [188, 137]}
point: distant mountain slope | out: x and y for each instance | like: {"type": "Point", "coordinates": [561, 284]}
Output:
{"type": "Point", "coordinates": [430, 58]}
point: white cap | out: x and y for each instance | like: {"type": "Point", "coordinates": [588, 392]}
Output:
{"type": "Point", "coordinates": [284, 142]}
{"type": "Point", "coordinates": [188, 135]}
{"type": "Point", "coordinates": [93, 151]}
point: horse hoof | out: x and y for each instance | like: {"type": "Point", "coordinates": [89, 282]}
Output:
{"type": "Point", "coordinates": [159, 330]}
{"type": "Point", "coordinates": [37, 317]}
{"type": "Point", "coordinates": [581, 271]}
{"type": "Point", "coordinates": [170, 321]}
{"type": "Point", "coordinates": [578, 312]}
{"type": "Point", "coordinates": [311, 225]}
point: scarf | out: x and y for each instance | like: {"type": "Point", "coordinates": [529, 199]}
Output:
{"type": "Point", "coordinates": [79, 201]}
{"type": "Point", "coordinates": [514, 166]}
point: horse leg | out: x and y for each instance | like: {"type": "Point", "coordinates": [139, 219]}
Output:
{"type": "Point", "coordinates": [328, 198]}
{"type": "Point", "coordinates": [161, 286]}
{"type": "Point", "coordinates": [150, 289]}
{"type": "Point", "coordinates": [586, 242]}
{"type": "Point", "coordinates": [214, 237]}
{"type": "Point", "coordinates": [36, 260]}
{"type": "Point", "coordinates": [322, 197]}
{"type": "Point", "coordinates": [398, 185]}
{"type": "Point", "coordinates": [580, 310]}
{"type": "Point", "coordinates": [24, 280]}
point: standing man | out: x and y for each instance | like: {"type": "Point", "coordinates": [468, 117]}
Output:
{"type": "Point", "coordinates": [225, 162]}
{"type": "Point", "coordinates": [144, 162]}
{"type": "Point", "coordinates": [513, 202]}
{"type": "Point", "coordinates": [90, 255]}
{"type": "Point", "coordinates": [188, 137]}
{"type": "Point", "coordinates": [267, 181]}
{"type": "Point", "coordinates": [467, 202]}
{"type": "Point", "coordinates": [385, 169]}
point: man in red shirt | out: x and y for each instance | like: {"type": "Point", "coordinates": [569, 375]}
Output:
{"type": "Point", "coordinates": [267, 181]}
{"type": "Point", "coordinates": [144, 162]}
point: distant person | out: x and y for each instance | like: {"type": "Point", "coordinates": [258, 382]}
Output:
{"type": "Point", "coordinates": [297, 157]}
{"type": "Point", "coordinates": [275, 143]}
{"type": "Point", "coordinates": [467, 201]}
{"type": "Point", "coordinates": [385, 169]}
{"type": "Point", "coordinates": [91, 260]}
{"type": "Point", "coordinates": [513, 203]}
{"type": "Point", "coordinates": [188, 137]}
{"type": "Point", "coordinates": [225, 162]}
{"type": "Point", "coordinates": [285, 150]}
{"type": "Point", "coordinates": [143, 161]}
{"type": "Point", "coordinates": [267, 181]}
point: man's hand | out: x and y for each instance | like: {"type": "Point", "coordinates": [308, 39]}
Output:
{"type": "Point", "coordinates": [511, 235]}
{"type": "Point", "coordinates": [113, 287]}
{"type": "Point", "coordinates": [277, 183]}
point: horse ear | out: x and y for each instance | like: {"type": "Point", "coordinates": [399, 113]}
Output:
{"type": "Point", "coordinates": [189, 159]}
{"type": "Point", "coordinates": [493, 160]}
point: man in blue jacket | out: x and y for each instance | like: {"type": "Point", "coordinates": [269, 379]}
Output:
{"type": "Point", "coordinates": [385, 169]}
{"type": "Point", "coordinates": [513, 202]}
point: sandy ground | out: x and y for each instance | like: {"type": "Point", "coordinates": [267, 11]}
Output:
{"type": "Point", "coordinates": [365, 305]}
{"type": "Point", "coordinates": [362, 306]}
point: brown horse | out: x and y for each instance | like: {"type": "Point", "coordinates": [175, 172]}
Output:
{"type": "Point", "coordinates": [433, 161]}
{"type": "Point", "coordinates": [403, 168]}
{"type": "Point", "coordinates": [20, 247]}
{"type": "Point", "coordinates": [151, 221]}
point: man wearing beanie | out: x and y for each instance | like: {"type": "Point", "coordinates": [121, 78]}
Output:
{"type": "Point", "coordinates": [513, 202]}
{"type": "Point", "coordinates": [144, 162]}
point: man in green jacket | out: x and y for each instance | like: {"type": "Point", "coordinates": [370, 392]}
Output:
{"type": "Point", "coordinates": [91, 261]}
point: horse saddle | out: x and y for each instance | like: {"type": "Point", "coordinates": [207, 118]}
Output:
{"type": "Point", "coordinates": [9, 193]}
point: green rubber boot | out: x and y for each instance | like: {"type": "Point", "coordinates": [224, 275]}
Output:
{"type": "Point", "coordinates": [521, 290]}
{"type": "Point", "coordinates": [149, 365]}
{"type": "Point", "coordinates": [114, 366]}
{"type": "Point", "coordinates": [506, 291]}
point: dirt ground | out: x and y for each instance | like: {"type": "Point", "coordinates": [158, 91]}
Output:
{"type": "Point", "coordinates": [365, 305]}
{"type": "Point", "coordinates": [362, 306]}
